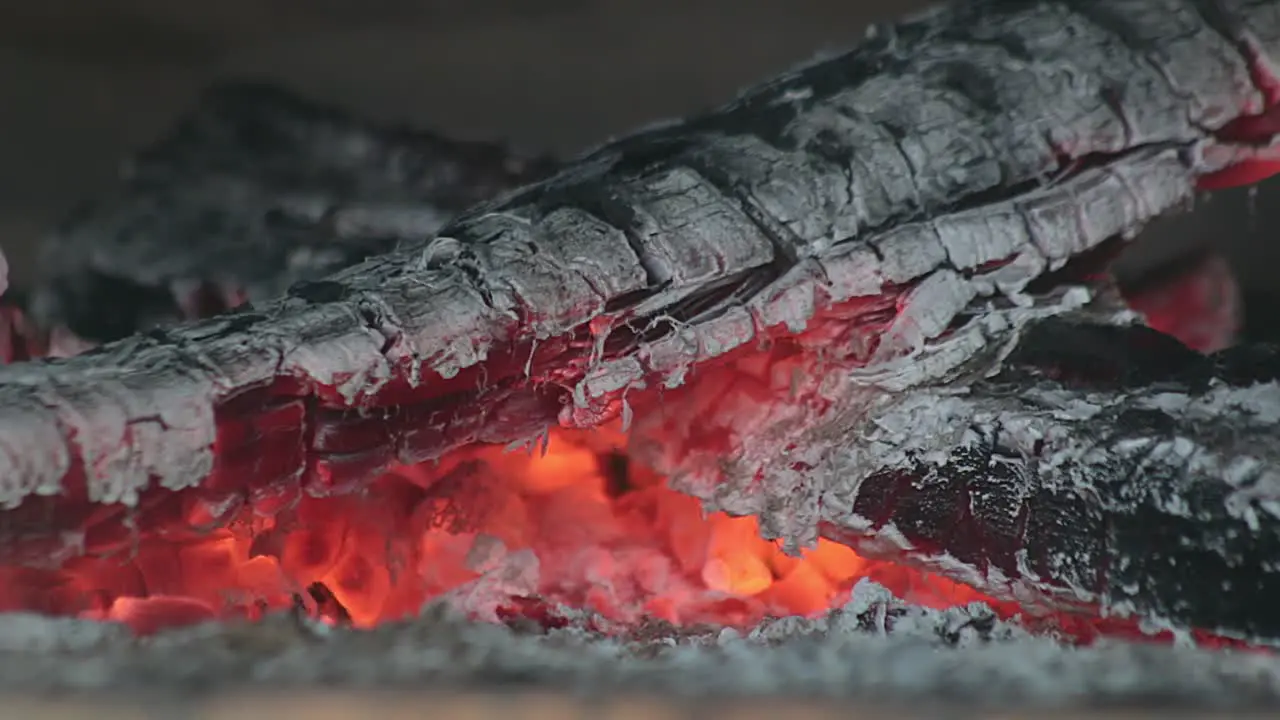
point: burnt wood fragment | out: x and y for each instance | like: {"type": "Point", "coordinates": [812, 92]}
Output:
{"type": "Point", "coordinates": [254, 190]}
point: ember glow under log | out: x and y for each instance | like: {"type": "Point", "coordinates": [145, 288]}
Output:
{"type": "Point", "coordinates": [574, 518]}
{"type": "Point", "coordinates": [865, 303]}
{"type": "Point", "coordinates": [1087, 486]}
{"type": "Point", "coordinates": [499, 534]}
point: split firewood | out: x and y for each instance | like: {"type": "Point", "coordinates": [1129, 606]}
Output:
{"type": "Point", "coordinates": [826, 305]}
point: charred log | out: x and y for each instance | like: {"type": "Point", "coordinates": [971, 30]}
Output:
{"type": "Point", "coordinates": [254, 190]}
{"type": "Point", "coordinates": [829, 184]}
{"type": "Point", "coordinates": [1109, 476]}
{"type": "Point", "coordinates": [860, 237]}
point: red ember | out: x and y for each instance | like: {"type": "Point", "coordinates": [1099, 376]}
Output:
{"type": "Point", "coordinates": [579, 525]}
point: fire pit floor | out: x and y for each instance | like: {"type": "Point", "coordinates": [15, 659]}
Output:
{"type": "Point", "coordinates": [500, 705]}
{"type": "Point", "coordinates": [918, 656]}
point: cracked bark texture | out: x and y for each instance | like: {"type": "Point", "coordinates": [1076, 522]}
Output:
{"type": "Point", "coordinates": [1103, 466]}
{"type": "Point", "coordinates": [251, 192]}
{"type": "Point", "coordinates": [937, 169]}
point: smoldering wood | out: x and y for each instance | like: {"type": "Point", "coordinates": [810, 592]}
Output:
{"type": "Point", "coordinates": [252, 191]}
{"type": "Point", "coordinates": [1105, 467]}
{"type": "Point", "coordinates": [946, 163]}
{"type": "Point", "coordinates": [803, 173]}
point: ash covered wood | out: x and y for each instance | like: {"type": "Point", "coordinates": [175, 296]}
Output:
{"type": "Point", "coordinates": [253, 191]}
{"type": "Point", "coordinates": [1101, 466]}
{"type": "Point", "coordinates": [915, 189]}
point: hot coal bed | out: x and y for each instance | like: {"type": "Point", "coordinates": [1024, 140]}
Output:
{"type": "Point", "coordinates": [829, 392]}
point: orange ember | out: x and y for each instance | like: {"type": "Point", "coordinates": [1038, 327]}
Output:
{"type": "Point", "coordinates": [580, 525]}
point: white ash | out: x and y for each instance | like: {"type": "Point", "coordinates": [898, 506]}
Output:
{"type": "Point", "coordinates": [875, 647]}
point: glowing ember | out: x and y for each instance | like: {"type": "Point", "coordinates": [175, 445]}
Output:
{"type": "Point", "coordinates": [581, 526]}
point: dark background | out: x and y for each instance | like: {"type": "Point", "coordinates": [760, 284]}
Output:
{"type": "Point", "coordinates": [82, 82]}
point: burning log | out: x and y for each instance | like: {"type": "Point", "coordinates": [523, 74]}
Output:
{"type": "Point", "coordinates": [1101, 466]}
{"type": "Point", "coordinates": [861, 302]}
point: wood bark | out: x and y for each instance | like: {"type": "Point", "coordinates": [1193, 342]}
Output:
{"type": "Point", "coordinates": [939, 168]}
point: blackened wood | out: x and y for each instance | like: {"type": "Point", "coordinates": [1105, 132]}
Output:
{"type": "Point", "coordinates": [251, 192]}
{"type": "Point", "coordinates": [984, 131]}
{"type": "Point", "coordinates": [1104, 467]}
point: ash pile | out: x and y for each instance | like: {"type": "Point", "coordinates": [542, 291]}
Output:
{"type": "Point", "coordinates": [874, 648]}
